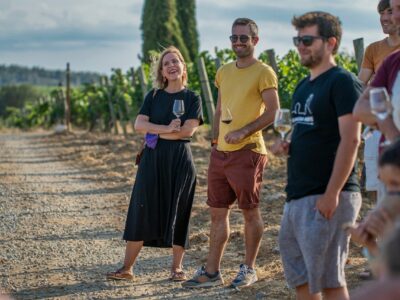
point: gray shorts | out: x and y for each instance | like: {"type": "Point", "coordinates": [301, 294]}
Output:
{"type": "Point", "coordinates": [313, 249]}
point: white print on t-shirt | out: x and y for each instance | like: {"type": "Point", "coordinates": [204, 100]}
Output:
{"type": "Point", "coordinates": [396, 101]}
{"type": "Point", "coordinates": [304, 116]}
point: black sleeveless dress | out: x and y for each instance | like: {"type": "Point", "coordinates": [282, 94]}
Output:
{"type": "Point", "coordinates": [162, 196]}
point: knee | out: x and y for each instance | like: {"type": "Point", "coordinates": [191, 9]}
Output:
{"type": "Point", "coordinates": [252, 216]}
{"type": "Point", "coordinates": [218, 215]}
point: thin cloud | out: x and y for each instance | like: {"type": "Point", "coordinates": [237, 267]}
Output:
{"type": "Point", "coordinates": [60, 30]}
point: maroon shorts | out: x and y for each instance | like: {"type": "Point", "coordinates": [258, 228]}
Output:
{"type": "Point", "coordinates": [235, 175]}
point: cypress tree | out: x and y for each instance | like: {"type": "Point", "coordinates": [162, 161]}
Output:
{"type": "Point", "coordinates": [160, 28]}
{"type": "Point", "coordinates": [186, 14]}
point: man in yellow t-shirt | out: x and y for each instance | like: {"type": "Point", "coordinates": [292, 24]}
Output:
{"type": "Point", "coordinates": [247, 102]}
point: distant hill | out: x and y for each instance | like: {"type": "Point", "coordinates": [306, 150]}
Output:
{"type": "Point", "coordinates": [15, 75]}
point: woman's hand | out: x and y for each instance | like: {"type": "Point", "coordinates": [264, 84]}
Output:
{"type": "Point", "coordinates": [174, 126]}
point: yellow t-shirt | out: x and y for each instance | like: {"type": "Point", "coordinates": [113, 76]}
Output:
{"type": "Point", "coordinates": [240, 91]}
{"type": "Point", "coordinates": [376, 53]}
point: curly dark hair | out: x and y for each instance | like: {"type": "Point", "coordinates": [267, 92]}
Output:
{"type": "Point", "coordinates": [328, 25]}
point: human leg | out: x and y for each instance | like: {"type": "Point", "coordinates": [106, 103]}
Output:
{"type": "Point", "coordinates": [132, 250]}
{"type": "Point", "coordinates": [303, 293]}
{"type": "Point", "coordinates": [253, 231]}
{"type": "Point", "coordinates": [177, 256]}
{"type": "Point", "coordinates": [177, 273]}
{"type": "Point", "coordinates": [220, 197]}
{"type": "Point", "coordinates": [340, 293]}
{"type": "Point", "coordinates": [219, 234]}
{"type": "Point", "coordinates": [210, 275]}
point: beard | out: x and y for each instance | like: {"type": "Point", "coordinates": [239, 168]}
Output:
{"type": "Point", "coordinates": [313, 59]}
{"type": "Point", "coordinates": [243, 52]}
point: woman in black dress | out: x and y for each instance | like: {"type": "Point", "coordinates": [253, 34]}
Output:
{"type": "Point", "coordinates": [163, 192]}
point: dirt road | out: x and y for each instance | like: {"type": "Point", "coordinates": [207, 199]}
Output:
{"type": "Point", "coordinates": [63, 201]}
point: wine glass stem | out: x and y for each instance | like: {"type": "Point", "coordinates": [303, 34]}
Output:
{"type": "Point", "coordinates": [283, 136]}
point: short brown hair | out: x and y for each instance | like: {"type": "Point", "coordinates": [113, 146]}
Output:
{"type": "Point", "coordinates": [391, 155]}
{"type": "Point", "coordinates": [328, 25]}
{"type": "Point", "coordinates": [247, 22]}
{"type": "Point", "coordinates": [158, 80]}
{"type": "Point", "coordinates": [383, 5]}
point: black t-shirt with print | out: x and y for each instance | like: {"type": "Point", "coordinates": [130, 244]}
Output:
{"type": "Point", "coordinates": [317, 105]}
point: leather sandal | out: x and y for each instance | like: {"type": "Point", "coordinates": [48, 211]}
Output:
{"type": "Point", "coordinates": [178, 276]}
{"type": "Point", "coordinates": [120, 274]}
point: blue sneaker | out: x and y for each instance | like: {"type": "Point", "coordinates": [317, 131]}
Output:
{"type": "Point", "coordinates": [202, 279]}
{"type": "Point", "coordinates": [245, 277]}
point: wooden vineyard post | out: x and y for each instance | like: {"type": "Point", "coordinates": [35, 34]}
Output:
{"type": "Point", "coordinates": [67, 103]}
{"type": "Point", "coordinates": [272, 59]}
{"type": "Point", "coordinates": [110, 105]}
{"type": "Point", "coordinates": [205, 86]}
{"type": "Point", "coordinates": [143, 81]}
{"type": "Point", "coordinates": [359, 51]}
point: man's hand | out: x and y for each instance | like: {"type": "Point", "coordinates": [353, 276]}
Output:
{"type": "Point", "coordinates": [360, 236]}
{"type": "Point", "coordinates": [378, 222]}
{"type": "Point", "coordinates": [235, 137]}
{"type": "Point", "coordinates": [280, 147]}
{"type": "Point", "coordinates": [327, 204]}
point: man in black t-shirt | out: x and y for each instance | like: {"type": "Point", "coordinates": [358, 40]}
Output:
{"type": "Point", "coordinates": [322, 189]}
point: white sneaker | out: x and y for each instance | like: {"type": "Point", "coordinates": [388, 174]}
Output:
{"type": "Point", "coordinates": [202, 279]}
{"type": "Point", "coordinates": [245, 277]}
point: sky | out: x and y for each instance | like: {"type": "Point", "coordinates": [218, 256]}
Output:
{"type": "Point", "coordinates": [97, 35]}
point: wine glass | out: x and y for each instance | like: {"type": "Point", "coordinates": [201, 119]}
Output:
{"type": "Point", "coordinates": [226, 116]}
{"type": "Point", "coordinates": [179, 108]}
{"type": "Point", "coordinates": [283, 122]}
{"type": "Point", "coordinates": [379, 102]}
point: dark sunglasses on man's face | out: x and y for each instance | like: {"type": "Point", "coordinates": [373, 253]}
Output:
{"type": "Point", "coordinates": [307, 40]}
{"type": "Point", "coordinates": [243, 38]}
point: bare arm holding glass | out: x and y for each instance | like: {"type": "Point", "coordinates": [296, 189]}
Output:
{"type": "Point", "coordinates": [186, 131]}
{"type": "Point", "coordinates": [271, 101]}
{"type": "Point", "coordinates": [282, 124]}
{"type": "Point", "coordinates": [189, 126]}
{"type": "Point", "coordinates": [374, 109]}
{"type": "Point", "coordinates": [362, 109]}
{"type": "Point", "coordinates": [143, 125]}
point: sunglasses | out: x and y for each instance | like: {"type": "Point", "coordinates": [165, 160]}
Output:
{"type": "Point", "coordinates": [307, 40]}
{"type": "Point", "coordinates": [243, 38]}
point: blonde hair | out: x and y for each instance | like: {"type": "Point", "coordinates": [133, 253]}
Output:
{"type": "Point", "coordinates": [159, 82]}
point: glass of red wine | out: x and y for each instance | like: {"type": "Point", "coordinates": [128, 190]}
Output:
{"type": "Point", "coordinates": [226, 116]}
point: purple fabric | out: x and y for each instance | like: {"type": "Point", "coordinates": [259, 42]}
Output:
{"type": "Point", "coordinates": [151, 140]}
{"type": "Point", "coordinates": [387, 73]}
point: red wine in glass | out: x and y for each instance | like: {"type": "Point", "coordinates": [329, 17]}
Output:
{"type": "Point", "coordinates": [226, 116]}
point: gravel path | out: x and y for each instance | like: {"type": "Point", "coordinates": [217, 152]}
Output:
{"type": "Point", "coordinates": [63, 203]}
{"type": "Point", "coordinates": [61, 227]}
